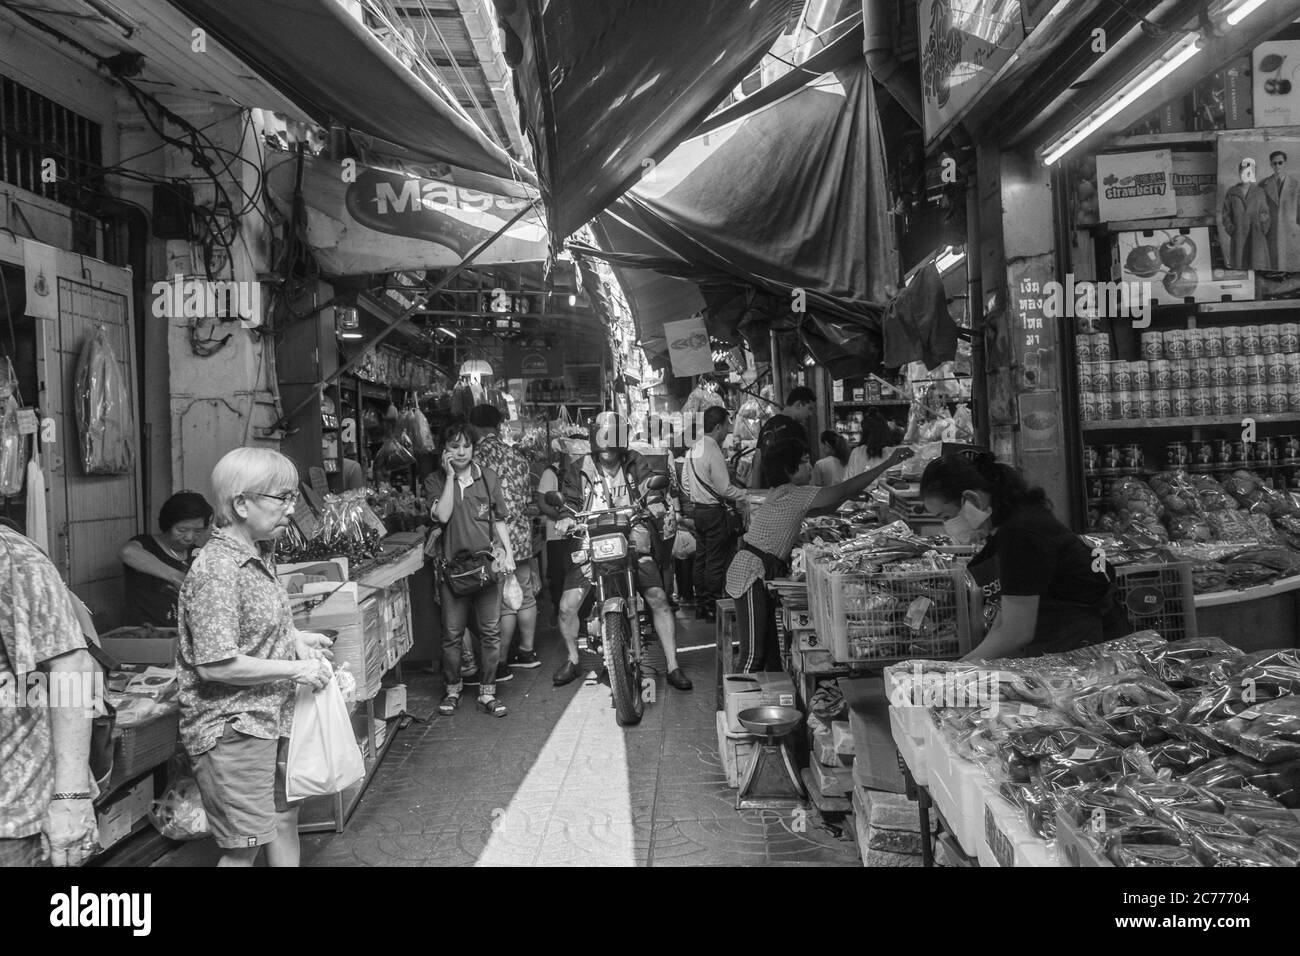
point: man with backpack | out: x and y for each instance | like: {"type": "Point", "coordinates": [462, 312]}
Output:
{"type": "Point", "coordinates": [789, 423]}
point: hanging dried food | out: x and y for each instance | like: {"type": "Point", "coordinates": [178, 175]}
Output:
{"type": "Point", "coordinates": [13, 450]}
{"type": "Point", "coordinates": [104, 417]}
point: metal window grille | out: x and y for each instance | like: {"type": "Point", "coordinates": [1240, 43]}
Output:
{"type": "Point", "coordinates": [34, 128]}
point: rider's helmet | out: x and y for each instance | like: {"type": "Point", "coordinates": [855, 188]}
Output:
{"type": "Point", "coordinates": [608, 433]}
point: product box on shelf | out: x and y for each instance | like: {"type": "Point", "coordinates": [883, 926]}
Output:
{"type": "Point", "coordinates": [336, 611]}
{"type": "Point", "coordinates": [764, 689]}
{"type": "Point", "coordinates": [1169, 118]}
{"type": "Point", "coordinates": [390, 702]}
{"type": "Point", "coordinates": [1275, 91]}
{"type": "Point", "coordinates": [837, 390]}
{"type": "Point", "coordinates": [1136, 185]}
{"type": "Point", "coordinates": [1195, 184]}
{"type": "Point", "coordinates": [141, 645]}
{"type": "Point", "coordinates": [842, 732]}
{"type": "Point", "coordinates": [116, 818]}
{"type": "Point", "coordinates": [1222, 100]}
{"type": "Point", "coordinates": [1176, 265]}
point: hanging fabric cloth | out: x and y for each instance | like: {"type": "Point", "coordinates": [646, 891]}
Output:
{"type": "Point", "coordinates": [37, 517]}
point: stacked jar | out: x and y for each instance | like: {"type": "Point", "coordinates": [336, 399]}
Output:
{"type": "Point", "coordinates": [1093, 355]}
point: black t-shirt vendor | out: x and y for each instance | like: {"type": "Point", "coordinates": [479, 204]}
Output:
{"type": "Point", "coordinates": [1041, 593]}
{"type": "Point", "coordinates": [154, 565]}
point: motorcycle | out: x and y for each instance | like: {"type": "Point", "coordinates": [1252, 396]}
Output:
{"type": "Point", "coordinates": [619, 624]}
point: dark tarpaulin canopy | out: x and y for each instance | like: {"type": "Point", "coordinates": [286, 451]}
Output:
{"type": "Point", "coordinates": [337, 70]}
{"type": "Point", "coordinates": [606, 85]}
{"type": "Point", "coordinates": [791, 197]}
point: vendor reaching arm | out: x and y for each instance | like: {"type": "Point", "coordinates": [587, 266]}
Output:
{"type": "Point", "coordinates": [1041, 593]}
{"type": "Point", "coordinates": [156, 564]}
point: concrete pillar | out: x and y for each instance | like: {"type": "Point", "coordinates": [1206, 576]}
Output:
{"type": "Point", "coordinates": [1023, 350]}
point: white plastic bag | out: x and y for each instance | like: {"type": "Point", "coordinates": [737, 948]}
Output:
{"type": "Point", "coordinates": [179, 813]}
{"type": "Point", "coordinates": [512, 595]}
{"type": "Point", "coordinates": [323, 755]}
{"type": "Point", "coordinates": [684, 545]}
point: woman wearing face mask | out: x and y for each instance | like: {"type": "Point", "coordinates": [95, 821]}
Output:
{"type": "Point", "coordinates": [774, 527]}
{"type": "Point", "coordinates": [1041, 594]}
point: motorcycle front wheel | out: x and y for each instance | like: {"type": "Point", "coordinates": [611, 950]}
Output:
{"type": "Point", "coordinates": [624, 673]}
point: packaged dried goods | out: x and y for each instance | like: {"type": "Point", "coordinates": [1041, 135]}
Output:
{"type": "Point", "coordinates": [1148, 843]}
{"type": "Point", "coordinates": [1154, 795]}
{"type": "Point", "coordinates": [1022, 751]}
{"type": "Point", "coordinates": [1192, 661]}
{"type": "Point", "coordinates": [1283, 845]}
{"type": "Point", "coordinates": [1268, 732]}
{"type": "Point", "coordinates": [1254, 685]}
{"type": "Point", "coordinates": [1205, 822]}
{"type": "Point", "coordinates": [103, 403]}
{"type": "Point", "coordinates": [1231, 851]}
{"type": "Point", "coordinates": [1128, 708]}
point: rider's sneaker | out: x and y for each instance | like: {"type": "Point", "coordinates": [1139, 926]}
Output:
{"type": "Point", "coordinates": [677, 677]}
{"type": "Point", "coordinates": [567, 674]}
{"type": "Point", "coordinates": [504, 673]}
{"type": "Point", "coordinates": [527, 659]}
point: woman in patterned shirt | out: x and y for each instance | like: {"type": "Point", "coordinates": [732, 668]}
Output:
{"type": "Point", "coordinates": [773, 530]}
{"type": "Point", "coordinates": [239, 659]}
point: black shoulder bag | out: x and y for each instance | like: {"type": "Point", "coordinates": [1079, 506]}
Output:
{"type": "Point", "coordinates": [735, 521]}
{"type": "Point", "coordinates": [466, 572]}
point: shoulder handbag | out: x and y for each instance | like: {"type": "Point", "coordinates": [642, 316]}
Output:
{"type": "Point", "coordinates": [466, 572]}
{"type": "Point", "coordinates": [735, 521]}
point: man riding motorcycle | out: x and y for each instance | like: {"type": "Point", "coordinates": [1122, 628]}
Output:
{"type": "Point", "coordinates": [614, 477]}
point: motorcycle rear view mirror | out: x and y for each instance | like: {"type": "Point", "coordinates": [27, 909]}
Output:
{"type": "Point", "coordinates": [658, 483]}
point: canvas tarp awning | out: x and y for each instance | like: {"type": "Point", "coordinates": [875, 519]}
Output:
{"type": "Point", "coordinates": [606, 85]}
{"type": "Point", "coordinates": [791, 197]}
{"type": "Point", "coordinates": [323, 59]}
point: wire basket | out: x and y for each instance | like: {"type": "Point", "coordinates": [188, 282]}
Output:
{"type": "Point", "coordinates": [892, 616]}
{"type": "Point", "coordinates": [1158, 597]}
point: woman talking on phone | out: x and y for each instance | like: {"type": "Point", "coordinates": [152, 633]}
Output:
{"type": "Point", "coordinates": [1041, 592]}
{"type": "Point", "coordinates": [469, 507]}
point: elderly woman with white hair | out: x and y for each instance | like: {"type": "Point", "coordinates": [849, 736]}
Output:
{"type": "Point", "coordinates": [239, 659]}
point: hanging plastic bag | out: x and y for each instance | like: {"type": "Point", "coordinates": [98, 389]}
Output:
{"type": "Point", "coordinates": [323, 755]}
{"type": "Point", "coordinates": [13, 451]}
{"type": "Point", "coordinates": [178, 814]}
{"type": "Point", "coordinates": [684, 545]}
{"type": "Point", "coordinates": [418, 435]}
{"type": "Point", "coordinates": [104, 418]}
{"type": "Point", "coordinates": [512, 595]}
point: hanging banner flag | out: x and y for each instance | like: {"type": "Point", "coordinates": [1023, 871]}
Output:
{"type": "Point", "coordinates": [688, 346]}
{"type": "Point", "coordinates": [366, 219]}
{"type": "Point", "coordinates": [39, 268]}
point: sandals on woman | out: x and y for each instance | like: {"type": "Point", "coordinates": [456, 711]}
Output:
{"type": "Point", "coordinates": [447, 706]}
{"type": "Point", "coordinates": [490, 705]}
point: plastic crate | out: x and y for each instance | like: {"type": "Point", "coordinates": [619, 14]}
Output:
{"type": "Point", "coordinates": [858, 629]}
{"type": "Point", "coordinates": [145, 746]}
{"type": "Point", "coordinates": [1158, 597]}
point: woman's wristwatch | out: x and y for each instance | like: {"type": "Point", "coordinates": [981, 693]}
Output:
{"type": "Point", "coordinates": [69, 795]}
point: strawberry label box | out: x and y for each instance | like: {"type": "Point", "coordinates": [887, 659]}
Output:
{"type": "Point", "coordinates": [1136, 186]}
{"type": "Point", "coordinates": [1178, 265]}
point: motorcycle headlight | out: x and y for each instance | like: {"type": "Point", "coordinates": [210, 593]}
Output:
{"type": "Point", "coordinates": [609, 547]}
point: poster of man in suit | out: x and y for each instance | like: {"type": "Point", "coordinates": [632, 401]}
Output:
{"type": "Point", "coordinates": [1259, 201]}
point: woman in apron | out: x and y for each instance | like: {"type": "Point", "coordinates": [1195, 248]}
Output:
{"type": "Point", "coordinates": [764, 551]}
{"type": "Point", "coordinates": [1044, 592]}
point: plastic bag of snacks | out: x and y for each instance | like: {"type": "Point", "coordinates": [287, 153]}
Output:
{"type": "Point", "coordinates": [178, 814]}
{"type": "Point", "coordinates": [1192, 661]}
{"type": "Point", "coordinates": [1269, 732]}
{"type": "Point", "coordinates": [1128, 708]}
{"type": "Point", "coordinates": [1148, 842]}
{"type": "Point", "coordinates": [1254, 685]}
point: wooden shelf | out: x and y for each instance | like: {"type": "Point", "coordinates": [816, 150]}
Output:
{"type": "Point", "coordinates": [1253, 305]}
{"type": "Point", "coordinates": [901, 401]}
{"type": "Point", "coordinates": [1148, 225]}
{"type": "Point", "coordinates": [1136, 423]}
{"type": "Point", "coordinates": [1192, 136]}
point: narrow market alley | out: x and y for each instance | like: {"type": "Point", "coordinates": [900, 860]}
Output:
{"type": "Point", "coordinates": [559, 783]}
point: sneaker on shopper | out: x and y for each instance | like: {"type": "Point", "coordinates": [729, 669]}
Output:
{"type": "Point", "coordinates": [528, 659]}
{"type": "Point", "coordinates": [567, 674]}
{"type": "Point", "coordinates": [677, 677]}
{"type": "Point", "coordinates": [504, 673]}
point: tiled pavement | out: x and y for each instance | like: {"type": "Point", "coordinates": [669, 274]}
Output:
{"type": "Point", "coordinates": [558, 783]}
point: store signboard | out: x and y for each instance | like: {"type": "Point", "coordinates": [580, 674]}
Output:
{"type": "Point", "coordinates": [689, 349]}
{"type": "Point", "coordinates": [366, 219]}
{"type": "Point", "coordinates": [532, 361]}
{"type": "Point", "coordinates": [963, 45]}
